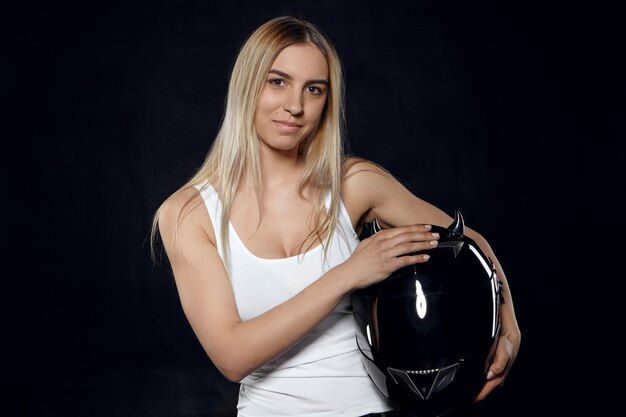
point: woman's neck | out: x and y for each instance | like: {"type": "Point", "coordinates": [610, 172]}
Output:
{"type": "Point", "coordinates": [278, 170]}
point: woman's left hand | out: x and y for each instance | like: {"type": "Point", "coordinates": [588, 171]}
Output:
{"type": "Point", "coordinates": [506, 352]}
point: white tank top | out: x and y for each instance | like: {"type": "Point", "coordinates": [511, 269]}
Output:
{"type": "Point", "coordinates": [323, 374]}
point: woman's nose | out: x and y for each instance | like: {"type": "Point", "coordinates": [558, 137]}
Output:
{"type": "Point", "coordinates": [293, 104]}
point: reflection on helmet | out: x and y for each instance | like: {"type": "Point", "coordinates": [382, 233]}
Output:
{"type": "Point", "coordinates": [428, 332]}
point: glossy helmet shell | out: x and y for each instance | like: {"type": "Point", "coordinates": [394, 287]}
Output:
{"type": "Point", "coordinates": [428, 332]}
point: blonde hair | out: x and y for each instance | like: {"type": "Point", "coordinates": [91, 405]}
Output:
{"type": "Point", "coordinates": [234, 154]}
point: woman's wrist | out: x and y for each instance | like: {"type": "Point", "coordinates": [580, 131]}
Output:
{"type": "Point", "coordinates": [341, 280]}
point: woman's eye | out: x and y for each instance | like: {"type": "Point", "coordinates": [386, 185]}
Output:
{"type": "Point", "coordinates": [315, 90]}
{"type": "Point", "coordinates": [278, 82]}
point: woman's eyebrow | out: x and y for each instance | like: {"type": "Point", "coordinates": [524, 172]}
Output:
{"type": "Point", "coordinates": [288, 77]}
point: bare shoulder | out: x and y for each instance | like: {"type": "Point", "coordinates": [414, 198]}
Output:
{"type": "Point", "coordinates": [359, 167]}
{"type": "Point", "coordinates": [178, 205]}
{"type": "Point", "coordinates": [365, 177]}
{"type": "Point", "coordinates": [370, 191]}
{"type": "Point", "coordinates": [364, 182]}
{"type": "Point", "coordinates": [184, 211]}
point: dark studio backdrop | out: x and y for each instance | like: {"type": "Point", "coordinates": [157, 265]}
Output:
{"type": "Point", "coordinates": [512, 112]}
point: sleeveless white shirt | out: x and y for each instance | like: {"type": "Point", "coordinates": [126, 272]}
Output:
{"type": "Point", "coordinates": [323, 374]}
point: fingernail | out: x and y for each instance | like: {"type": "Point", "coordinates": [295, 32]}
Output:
{"type": "Point", "coordinates": [427, 226]}
{"type": "Point", "coordinates": [489, 375]}
{"type": "Point", "coordinates": [426, 257]}
{"type": "Point", "coordinates": [433, 243]}
{"type": "Point", "coordinates": [436, 235]}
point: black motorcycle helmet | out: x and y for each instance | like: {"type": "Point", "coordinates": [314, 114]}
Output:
{"type": "Point", "coordinates": [428, 332]}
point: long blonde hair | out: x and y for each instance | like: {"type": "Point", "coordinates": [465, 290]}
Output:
{"type": "Point", "coordinates": [234, 154]}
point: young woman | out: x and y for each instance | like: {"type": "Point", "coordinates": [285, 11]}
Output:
{"type": "Point", "coordinates": [262, 239]}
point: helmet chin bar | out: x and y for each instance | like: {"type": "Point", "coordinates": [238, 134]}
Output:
{"type": "Point", "coordinates": [428, 332]}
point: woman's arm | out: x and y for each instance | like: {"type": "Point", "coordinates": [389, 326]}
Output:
{"type": "Point", "coordinates": [371, 190]}
{"type": "Point", "coordinates": [238, 347]}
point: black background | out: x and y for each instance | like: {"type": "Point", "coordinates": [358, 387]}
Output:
{"type": "Point", "coordinates": [513, 112]}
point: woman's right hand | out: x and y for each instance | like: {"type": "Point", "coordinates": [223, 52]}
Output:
{"type": "Point", "coordinates": [381, 254]}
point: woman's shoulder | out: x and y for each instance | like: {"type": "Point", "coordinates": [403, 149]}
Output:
{"type": "Point", "coordinates": [185, 210]}
{"type": "Point", "coordinates": [183, 203]}
{"type": "Point", "coordinates": [360, 171]}
{"type": "Point", "coordinates": [363, 184]}
{"type": "Point", "coordinates": [176, 202]}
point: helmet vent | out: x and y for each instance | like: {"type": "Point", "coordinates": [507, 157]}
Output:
{"type": "Point", "coordinates": [427, 381]}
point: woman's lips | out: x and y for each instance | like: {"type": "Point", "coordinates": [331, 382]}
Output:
{"type": "Point", "coordinates": [288, 127]}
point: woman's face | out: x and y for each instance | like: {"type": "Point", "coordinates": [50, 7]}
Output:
{"type": "Point", "coordinates": [292, 98]}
